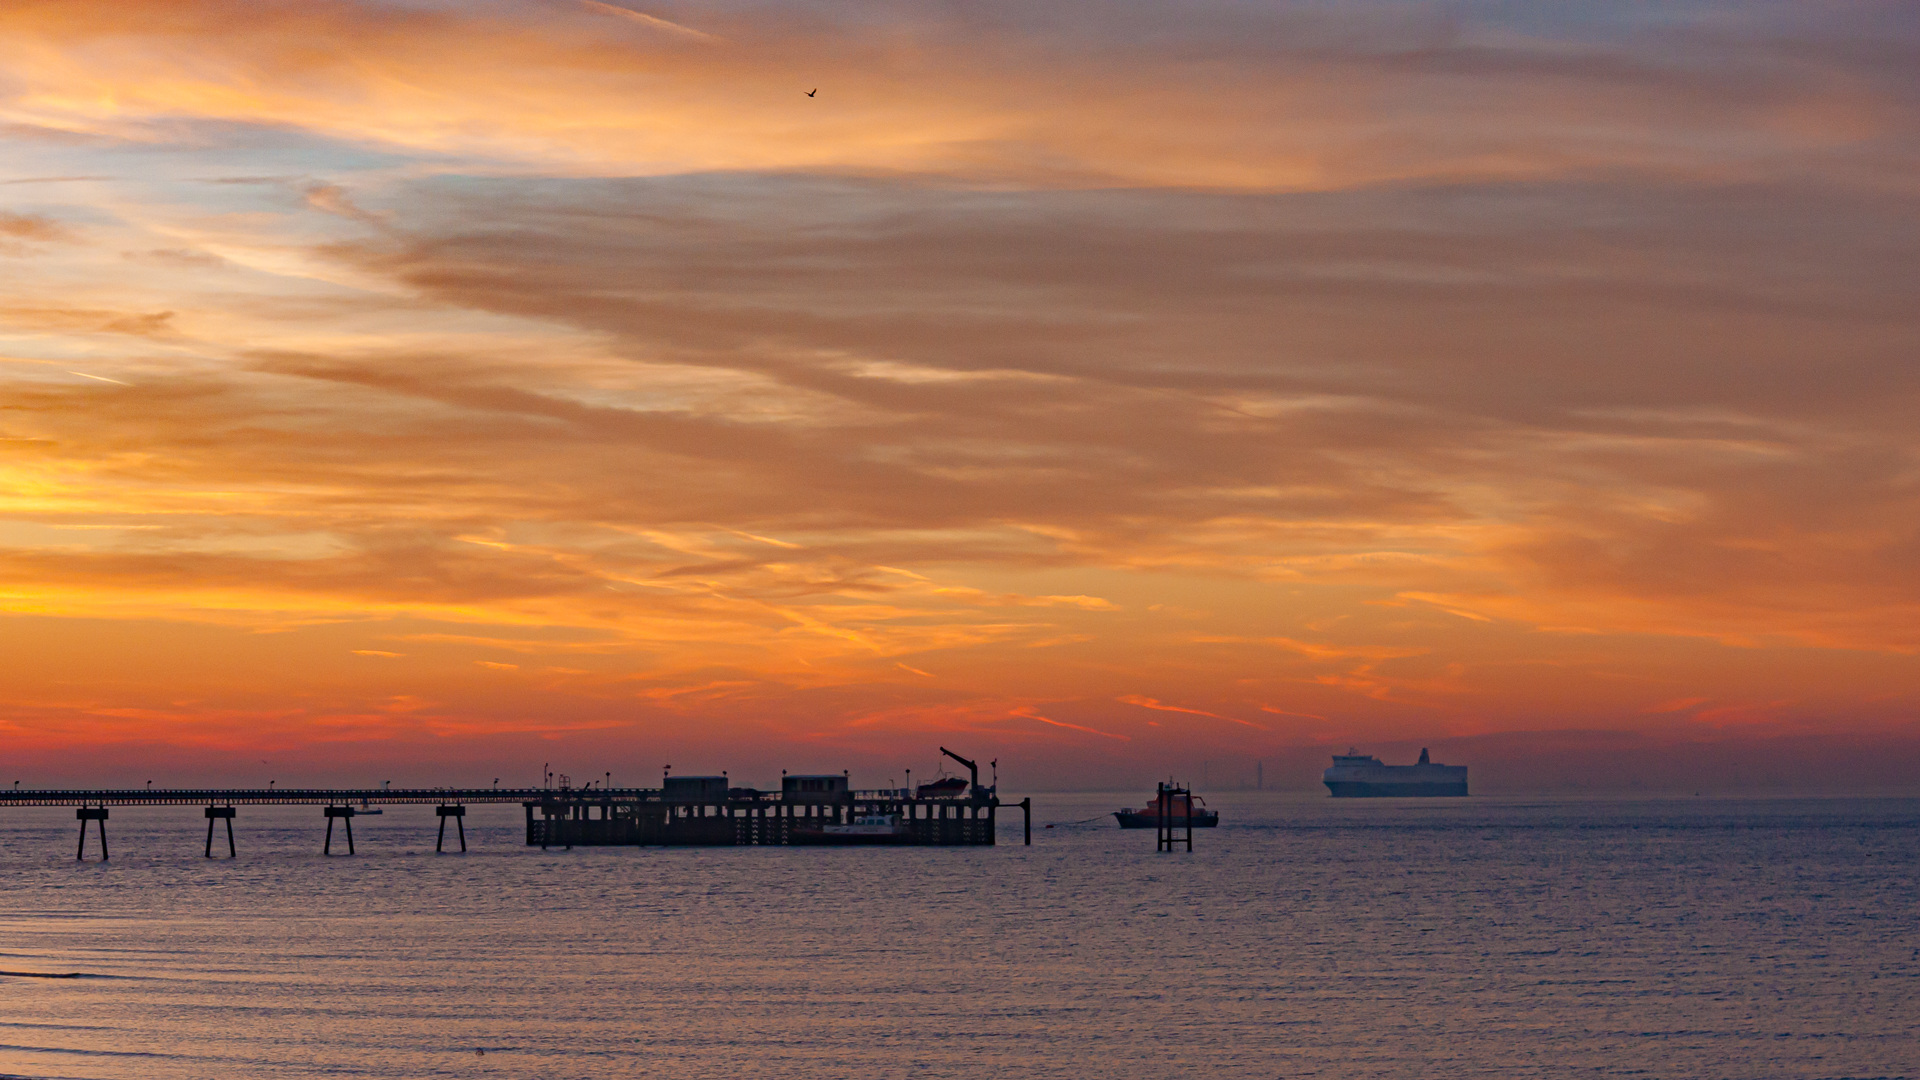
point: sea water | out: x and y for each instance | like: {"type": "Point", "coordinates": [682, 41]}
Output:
{"type": "Point", "coordinates": [1305, 937]}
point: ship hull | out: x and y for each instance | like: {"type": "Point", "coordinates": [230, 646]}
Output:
{"type": "Point", "coordinates": [1415, 789]}
{"type": "Point", "coordinates": [1202, 819]}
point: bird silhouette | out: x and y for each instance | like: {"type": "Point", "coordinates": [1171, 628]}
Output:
{"type": "Point", "coordinates": [813, 91]}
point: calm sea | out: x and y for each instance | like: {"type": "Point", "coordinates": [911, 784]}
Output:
{"type": "Point", "coordinates": [1303, 938]}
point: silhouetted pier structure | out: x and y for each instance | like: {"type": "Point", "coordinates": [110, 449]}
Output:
{"type": "Point", "coordinates": [86, 814]}
{"type": "Point", "coordinates": [216, 813]}
{"type": "Point", "coordinates": [705, 812]}
{"type": "Point", "coordinates": [684, 810]}
{"type": "Point", "coordinates": [219, 804]}
{"type": "Point", "coordinates": [1168, 818]}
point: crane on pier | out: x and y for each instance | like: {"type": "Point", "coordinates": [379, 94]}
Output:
{"type": "Point", "coordinates": [973, 768]}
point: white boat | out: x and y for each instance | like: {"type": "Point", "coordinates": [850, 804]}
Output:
{"type": "Point", "coordinates": [864, 829]}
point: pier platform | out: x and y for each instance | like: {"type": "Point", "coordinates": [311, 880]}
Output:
{"type": "Point", "coordinates": [744, 816]}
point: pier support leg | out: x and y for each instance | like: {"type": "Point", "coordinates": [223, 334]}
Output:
{"type": "Point", "coordinates": [345, 814]}
{"type": "Point", "coordinates": [215, 813]}
{"type": "Point", "coordinates": [1160, 841]}
{"type": "Point", "coordinates": [1165, 822]}
{"type": "Point", "coordinates": [459, 816]}
{"type": "Point", "coordinates": [1026, 815]}
{"type": "Point", "coordinates": [92, 813]}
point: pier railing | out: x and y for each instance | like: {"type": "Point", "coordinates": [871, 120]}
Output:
{"type": "Point", "coordinates": [307, 796]}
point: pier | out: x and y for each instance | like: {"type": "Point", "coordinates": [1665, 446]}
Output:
{"type": "Point", "coordinates": [702, 811]}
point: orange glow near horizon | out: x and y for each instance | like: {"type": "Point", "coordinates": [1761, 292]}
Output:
{"type": "Point", "coordinates": [426, 387]}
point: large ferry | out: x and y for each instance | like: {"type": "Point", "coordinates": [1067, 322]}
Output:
{"type": "Point", "coordinates": [1356, 775]}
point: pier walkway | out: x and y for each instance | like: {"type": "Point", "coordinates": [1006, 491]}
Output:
{"type": "Point", "coordinates": [690, 811]}
{"type": "Point", "coordinates": [296, 796]}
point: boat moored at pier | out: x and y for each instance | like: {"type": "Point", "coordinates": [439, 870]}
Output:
{"type": "Point", "coordinates": [868, 828]}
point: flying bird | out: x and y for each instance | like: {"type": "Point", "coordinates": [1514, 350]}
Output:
{"type": "Point", "coordinates": [813, 91]}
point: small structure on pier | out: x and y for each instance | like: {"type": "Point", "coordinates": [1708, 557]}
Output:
{"type": "Point", "coordinates": [693, 789]}
{"type": "Point", "coordinates": [813, 789]}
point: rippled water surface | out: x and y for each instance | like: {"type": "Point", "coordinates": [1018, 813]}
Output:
{"type": "Point", "coordinates": [1303, 938]}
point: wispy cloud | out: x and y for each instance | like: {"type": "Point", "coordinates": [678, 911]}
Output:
{"type": "Point", "coordinates": [1161, 706]}
{"type": "Point", "coordinates": [650, 21]}
{"type": "Point", "coordinates": [1029, 714]}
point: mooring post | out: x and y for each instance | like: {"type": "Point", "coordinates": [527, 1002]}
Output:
{"type": "Point", "coordinates": [345, 814]}
{"type": "Point", "coordinates": [1162, 827]}
{"type": "Point", "coordinates": [1026, 814]}
{"type": "Point", "coordinates": [1163, 818]}
{"type": "Point", "coordinates": [214, 813]}
{"type": "Point", "coordinates": [458, 814]}
{"type": "Point", "coordinates": [1189, 794]}
{"type": "Point", "coordinates": [92, 813]}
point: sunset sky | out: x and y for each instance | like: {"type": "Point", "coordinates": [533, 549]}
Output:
{"type": "Point", "coordinates": [423, 390]}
